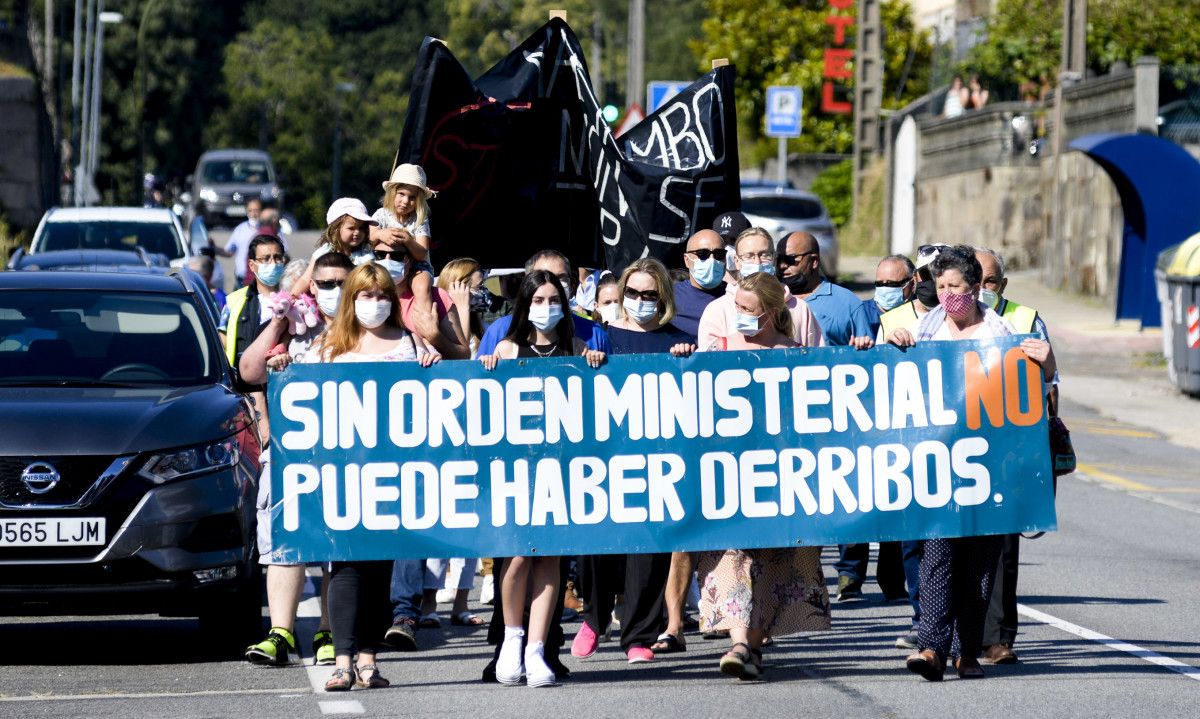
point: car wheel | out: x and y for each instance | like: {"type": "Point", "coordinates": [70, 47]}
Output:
{"type": "Point", "coordinates": [232, 621]}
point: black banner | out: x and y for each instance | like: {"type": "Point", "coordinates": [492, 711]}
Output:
{"type": "Point", "coordinates": [523, 159]}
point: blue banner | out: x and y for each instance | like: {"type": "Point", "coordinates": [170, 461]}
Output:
{"type": "Point", "coordinates": [650, 453]}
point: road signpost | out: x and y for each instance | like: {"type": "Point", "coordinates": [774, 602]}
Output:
{"type": "Point", "coordinates": [659, 91]}
{"type": "Point", "coordinates": [784, 112]}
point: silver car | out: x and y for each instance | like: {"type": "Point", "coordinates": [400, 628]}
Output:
{"type": "Point", "coordinates": [225, 180]}
{"type": "Point", "coordinates": [782, 210]}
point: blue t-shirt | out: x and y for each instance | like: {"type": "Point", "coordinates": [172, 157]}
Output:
{"type": "Point", "coordinates": [873, 314]}
{"type": "Point", "coordinates": [629, 342]}
{"type": "Point", "coordinates": [839, 312]}
{"type": "Point", "coordinates": [690, 302]}
{"type": "Point", "coordinates": [592, 334]}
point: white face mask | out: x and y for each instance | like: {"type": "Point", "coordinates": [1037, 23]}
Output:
{"type": "Point", "coordinates": [989, 298]}
{"type": "Point", "coordinates": [546, 316]}
{"type": "Point", "coordinates": [327, 300]}
{"type": "Point", "coordinates": [639, 310]}
{"type": "Point", "coordinates": [395, 268]}
{"type": "Point", "coordinates": [750, 268]}
{"type": "Point", "coordinates": [608, 313]}
{"type": "Point", "coordinates": [372, 313]}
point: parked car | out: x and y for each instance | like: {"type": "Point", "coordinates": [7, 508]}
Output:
{"type": "Point", "coordinates": [225, 179]}
{"type": "Point", "coordinates": [154, 231]}
{"type": "Point", "coordinates": [782, 210]}
{"type": "Point", "coordinates": [129, 463]}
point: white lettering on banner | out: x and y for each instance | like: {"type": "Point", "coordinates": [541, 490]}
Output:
{"type": "Point", "coordinates": [407, 402]}
{"type": "Point", "coordinates": [743, 420]}
{"type": "Point", "coordinates": [494, 414]}
{"type": "Point", "coordinates": [298, 479]}
{"type": "Point", "coordinates": [549, 499]}
{"type": "Point", "coordinates": [622, 407]}
{"type": "Point", "coordinates": [290, 397]}
{"type": "Point", "coordinates": [445, 396]}
{"type": "Point", "coordinates": [587, 479]}
{"type": "Point", "coordinates": [771, 378]}
{"type": "Point", "coordinates": [663, 471]}
{"type": "Point", "coordinates": [686, 230]}
{"type": "Point", "coordinates": [373, 495]}
{"type": "Point", "coordinates": [516, 489]}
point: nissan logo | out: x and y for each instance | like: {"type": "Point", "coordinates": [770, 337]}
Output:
{"type": "Point", "coordinates": [237, 197]}
{"type": "Point", "coordinates": [40, 477]}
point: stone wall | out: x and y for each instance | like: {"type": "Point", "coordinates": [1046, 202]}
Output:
{"type": "Point", "coordinates": [1089, 222]}
{"type": "Point", "coordinates": [22, 165]}
{"type": "Point", "coordinates": [996, 207]}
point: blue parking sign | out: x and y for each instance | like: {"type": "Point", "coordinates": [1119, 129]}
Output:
{"type": "Point", "coordinates": [784, 110]}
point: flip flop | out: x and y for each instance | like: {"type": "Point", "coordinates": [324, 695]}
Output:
{"type": "Point", "coordinates": [668, 644]}
{"type": "Point", "coordinates": [430, 621]}
{"type": "Point", "coordinates": [466, 619]}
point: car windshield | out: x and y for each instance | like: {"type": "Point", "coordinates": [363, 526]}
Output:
{"type": "Point", "coordinates": [87, 337]}
{"type": "Point", "coordinates": [796, 208]}
{"type": "Point", "coordinates": [154, 237]}
{"type": "Point", "coordinates": [242, 172]}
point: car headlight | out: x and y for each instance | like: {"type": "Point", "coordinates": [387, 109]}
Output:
{"type": "Point", "coordinates": [169, 466]}
{"type": "Point", "coordinates": [208, 194]}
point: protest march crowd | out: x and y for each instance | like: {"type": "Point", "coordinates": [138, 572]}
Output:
{"type": "Point", "coordinates": [368, 293]}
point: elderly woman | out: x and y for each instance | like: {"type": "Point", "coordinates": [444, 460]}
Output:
{"type": "Point", "coordinates": [955, 573]}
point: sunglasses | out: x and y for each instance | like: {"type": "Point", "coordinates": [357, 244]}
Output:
{"type": "Point", "coordinates": [704, 254]}
{"type": "Point", "coordinates": [789, 260]}
{"type": "Point", "coordinates": [327, 284]}
{"type": "Point", "coordinates": [647, 296]}
{"type": "Point", "coordinates": [397, 255]}
{"type": "Point", "coordinates": [927, 250]}
{"type": "Point", "coordinates": [892, 283]}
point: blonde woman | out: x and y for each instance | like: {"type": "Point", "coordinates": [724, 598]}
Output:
{"type": "Point", "coordinates": [463, 280]}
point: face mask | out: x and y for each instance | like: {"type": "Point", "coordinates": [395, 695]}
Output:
{"type": "Point", "coordinates": [989, 298]}
{"type": "Point", "coordinates": [640, 311]}
{"type": "Point", "coordinates": [395, 268]}
{"type": "Point", "coordinates": [795, 283]}
{"type": "Point", "coordinates": [708, 273]}
{"type": "Point", "coordinates": [747, 324]}
{"type": "Point", "coordinates": [926, 293]}
{"type": "Point", "coordinates": [269, 275]}
{"type": "Point", "coordinates": [750, 268]}
{"type": "Point", "coordinates": [889, 297]}
{"type": "Point", "coordinates": [481, 299]}
{"type": "Point", "coordinates": [545, 316]}
{"type": "Point", "coordinates": [608, 313]}
{"type": "Point", "coordinates": [372, 313]}
{"type": "Point", "coordinates": [956, 305]}
{"type": "Point", "coordinates": [327, 300]}
{"type": "Point", "coordinates": [730, 258]}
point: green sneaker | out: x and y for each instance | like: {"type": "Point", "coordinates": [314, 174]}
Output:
{"type": "Point", "coordinates": [323, 654]}
{"type": "Point", "coordinates": [272, 651]}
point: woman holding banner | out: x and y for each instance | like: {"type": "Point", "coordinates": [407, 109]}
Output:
{"type": "Point", "coordinates": [756, 593]}
{"type": "Point", "coordinates": [642, 326]}
{"type": "Point", "coordinates": [366, 328]}
{"type": "Point", "coordinates": [955, 573]}
{"type": "Point", "coordinates": [541, 327]}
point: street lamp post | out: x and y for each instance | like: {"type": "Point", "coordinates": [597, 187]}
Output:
{"type": "Point", "coordinates": [342, 88]}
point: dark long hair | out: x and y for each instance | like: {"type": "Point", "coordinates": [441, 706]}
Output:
{"type": "Point", "coordinates": [521, 328]}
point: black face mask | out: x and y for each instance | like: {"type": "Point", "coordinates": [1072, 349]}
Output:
{"type": "Point", "coordinates": [926, 293]}
{"type": "Point", "coordinates": [795, 283]}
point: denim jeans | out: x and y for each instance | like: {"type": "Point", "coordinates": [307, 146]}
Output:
{"type": "Point", "coordinates": [911, 553]}
{"type": "Point", "coordinates": [408, 579]}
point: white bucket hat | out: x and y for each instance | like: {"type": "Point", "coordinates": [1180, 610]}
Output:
{"type": "Point", "coordinates": [409, 174]}
{"type": "Point", "coordinates": [348, 206]}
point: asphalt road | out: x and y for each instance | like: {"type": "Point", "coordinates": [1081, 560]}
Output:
{"type": "Point", "coordinates": [1111, 628]}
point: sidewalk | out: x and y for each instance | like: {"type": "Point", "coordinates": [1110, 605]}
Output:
{"type": "Point", "coordinates": [1114, 368]}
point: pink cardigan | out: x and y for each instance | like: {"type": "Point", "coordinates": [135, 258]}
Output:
{"type": "Point", "coordinates": [720, 321]}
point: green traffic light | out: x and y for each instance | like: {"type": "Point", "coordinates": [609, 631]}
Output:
{"type": "Point", "coordinates": [611, 113]}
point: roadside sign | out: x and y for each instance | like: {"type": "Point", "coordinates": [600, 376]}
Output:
{"type": "Point", "coordinates": [659, 91]}
{"type": "Point", "coordinates": [633, 115]}
{"type": "Point", "coordinates": [784, 110]}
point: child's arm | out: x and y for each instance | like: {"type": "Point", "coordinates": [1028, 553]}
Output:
{"type": "Point", "coordinates": [418, 247]}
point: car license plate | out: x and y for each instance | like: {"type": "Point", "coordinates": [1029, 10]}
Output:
{"type": "Point", "coordinates": [72, 532]}
{"type": "Point", "coordinates": [236, 211]}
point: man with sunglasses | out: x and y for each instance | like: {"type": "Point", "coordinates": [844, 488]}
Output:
{"type": "Point", "coordinates": [924, 296]}
{"type": "Point", "coordinates": [838, 310]}
{"type": "Point", "coordinates": [893, 287]}
{"type": "Point", "coordinates": [705, 260]}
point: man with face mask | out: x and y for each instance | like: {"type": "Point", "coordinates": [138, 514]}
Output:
{"type": "Point", "coordinates": [893, 287]}
{"type": "Point", "coordinates": [924, 296]}
{"type": "Point", "coordinates": [705, 260]}
{"type": "Point", "coordinates": [839, 311]}
{"type": "Point", "coordinates": [246, 311]}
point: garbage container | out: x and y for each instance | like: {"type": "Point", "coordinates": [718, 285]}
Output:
{"type": "Point", "coordinates": [1177, 274]}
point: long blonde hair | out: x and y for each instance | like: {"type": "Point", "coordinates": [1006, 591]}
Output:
{"type": "Point", "coordinates": [459, 270]}
{"type": "Point", "coordinates": [422, 205]}
{"type": "Point", "coordinates": [662, 278]}
{"type": "Point", "coordinates": [332, 235]}
{"type": "Point", "coordinates": [770, 295]}
{"type": "Point", "coordinates": [344, 331]}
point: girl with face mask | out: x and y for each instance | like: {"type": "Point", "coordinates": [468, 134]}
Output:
{"type": "Point", "coordinates": [608, 300]}
{"type": "Point", "coordinates": [541, 327]}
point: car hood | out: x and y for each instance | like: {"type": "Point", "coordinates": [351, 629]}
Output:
{"type": "Point", "coordinates": [227, 189]}
{"type": "Point", "coordinates": [90, 420]}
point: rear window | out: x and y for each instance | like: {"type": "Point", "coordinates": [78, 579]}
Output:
{"type": "Point", "coordinates": [77, 337]}
{"type": "Point", "coordinates": [157, 238]}
{"type": "Point", "coordinates": [796, 208]}
{"type": "Point", "coordinates": [242, 172]}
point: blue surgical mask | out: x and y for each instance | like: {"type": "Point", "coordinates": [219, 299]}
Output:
{"type": "Point", "coordinates": [269, 275]}
{"type": "Point", "coordinates": [748, 325]}
{"type": "Point", "coordinates": [545, 317]}
{"type": "Point", "coordinates": [708, 273]}
{"type": "Point", "coordinates": [640, 311]}
{"type": "Point", "coordinates": [889, 297]}
{"type": "Point", "coordinates": [750, 268]}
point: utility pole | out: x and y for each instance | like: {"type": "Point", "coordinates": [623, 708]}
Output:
{"type": "Point", "coordinates": [635, 79]}
{"type": "Point", "coordinates": [85, 104]}
{"type": "Point", "coordinates": [868, 88]}
{"type": "Point", "coordinates": [1074, 56]}
{"type": "Point", "coordinates": [597, 44]}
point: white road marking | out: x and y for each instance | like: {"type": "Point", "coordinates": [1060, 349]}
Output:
{"type": "Point", "coordinates": [342, 706]}
{"type": "Point", "coordinates": [1174, 665]}
{"type": "Point", "coordinates": [151, 695]}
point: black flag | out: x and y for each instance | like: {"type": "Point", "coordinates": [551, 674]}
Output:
{"type": "Point", "coordinates": [523, 159]}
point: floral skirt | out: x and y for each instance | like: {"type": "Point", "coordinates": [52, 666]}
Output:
{"type": "Point", "coordinates": [781, 591]}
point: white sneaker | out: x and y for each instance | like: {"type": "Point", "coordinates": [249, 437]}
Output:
{"type": "Point", "coordinates": [509, 667]}
{"type": "Point", "coordinates": [537, 672]}
{"type": "Point", "coordinates": [487, 591]}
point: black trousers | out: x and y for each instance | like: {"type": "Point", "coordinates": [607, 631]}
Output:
{"type": "Point", "coordinates": [1001, 624]}
{"type": "Point", "coordinates": [889, 566]}
{"type": "Point", "coordinates": [642, 578]}
{"type": "Point", "coordinates": [554, 637]}
{"type": "Point", "coordinates": [360, 609]}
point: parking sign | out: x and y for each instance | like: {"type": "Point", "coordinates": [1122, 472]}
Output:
{"type": "Point", "coordinates": [784, 110]}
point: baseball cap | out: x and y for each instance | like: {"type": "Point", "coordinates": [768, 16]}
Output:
{"type": "Point", "coordinates": [729, 225]}
{"type": "Point", "coordinates": [926, 253]}
{"type": "Point", "coordinates": [348, 206]}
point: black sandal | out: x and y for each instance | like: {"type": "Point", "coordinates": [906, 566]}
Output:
{"type": "Point", "coordinates": [374, 682]}
{"type": "Point", "coordinates": [668, 644]}
{"type": "Point", "coordinates": [740, 665]}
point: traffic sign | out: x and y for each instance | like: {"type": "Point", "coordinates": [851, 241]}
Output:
{"type": "Point", "coordinates": [659, 91]}
{"type": "Point", "coordinates": [784, 110]}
